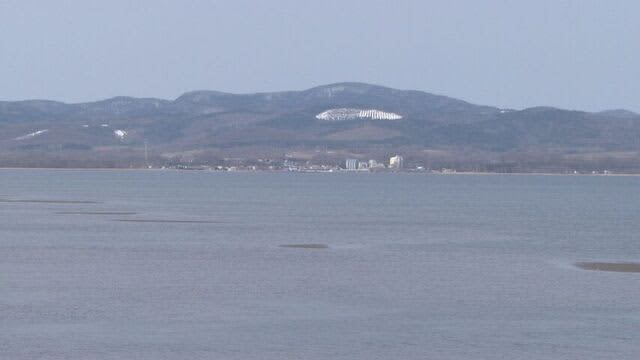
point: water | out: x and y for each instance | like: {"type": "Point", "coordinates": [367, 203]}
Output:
{"type": "Point", "coordinates": [416, 266]}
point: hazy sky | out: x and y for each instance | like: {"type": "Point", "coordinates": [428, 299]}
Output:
{"type": "Point", "coordinates": [573, 54]}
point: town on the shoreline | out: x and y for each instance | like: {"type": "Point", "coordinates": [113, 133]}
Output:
{"type": "Point", "coordinates": [394, 163]}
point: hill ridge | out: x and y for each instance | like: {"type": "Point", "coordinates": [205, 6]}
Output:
{"type": "Point", "coordinates": [374, 121]}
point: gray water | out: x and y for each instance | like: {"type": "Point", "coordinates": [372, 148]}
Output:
{"type": "Point", "coordinates": [416, 266]}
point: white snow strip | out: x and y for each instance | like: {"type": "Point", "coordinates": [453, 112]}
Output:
{"type": "Point", "coordinates": [31, 135]}
{"type": "Point", "coordinates": [120, 134]}
{"type": "Point", "coordinates": [351, 114]}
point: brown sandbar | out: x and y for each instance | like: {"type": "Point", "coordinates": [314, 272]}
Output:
{"type": "Point", "coordinates": [38, 201]}
{"type": "Point", "coordinates": [305, 246]}
{"type": "Point", "coordinates": [96, 213]}
{"type": "Point", "coordinates": [625, 267]}
{"type": "Point", "coordinates": [168, 221]}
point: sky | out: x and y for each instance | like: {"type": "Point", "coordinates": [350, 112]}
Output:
{"type": "Point", "coordinates": [578, 54]}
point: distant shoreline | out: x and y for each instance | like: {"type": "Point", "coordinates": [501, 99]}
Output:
{"type": "Point", "coordinates": [328, 172]}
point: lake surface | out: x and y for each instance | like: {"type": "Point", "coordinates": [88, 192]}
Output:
{"type": "Point", "coordinates": [203, 265]}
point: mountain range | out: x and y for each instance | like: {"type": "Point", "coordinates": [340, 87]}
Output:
{"type": "Point", "coordinates": [324, 124]}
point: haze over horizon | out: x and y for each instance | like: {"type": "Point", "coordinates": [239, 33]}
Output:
{"type": "Point", "coordinates": [570, 54]}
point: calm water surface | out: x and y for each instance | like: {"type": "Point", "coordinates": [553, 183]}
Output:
{"type": "Point", "coordinates": [190, 265]}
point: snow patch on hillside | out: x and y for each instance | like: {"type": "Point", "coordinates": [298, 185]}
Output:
{"type": "Point", "coordinates": [120, 134]}
{"type": "Point", "coordinates": [352, 114]}
{"type": "Point", "coordinates": [31, 135]}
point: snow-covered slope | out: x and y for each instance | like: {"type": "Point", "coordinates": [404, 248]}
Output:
{"type": "Point", "coordinates": [31, 135]}
{"type": "Point", "coordinates": [352, 114]}
{"type": "Point", "coordinates": [120, 134]}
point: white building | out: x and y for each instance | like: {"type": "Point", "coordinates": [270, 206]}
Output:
{"type": "Point", "coordinates": [374, 165]}
{"type": "Point", "coordinates": [396, 162]}
{"type": "Point", "coordinates": [351, 164]}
